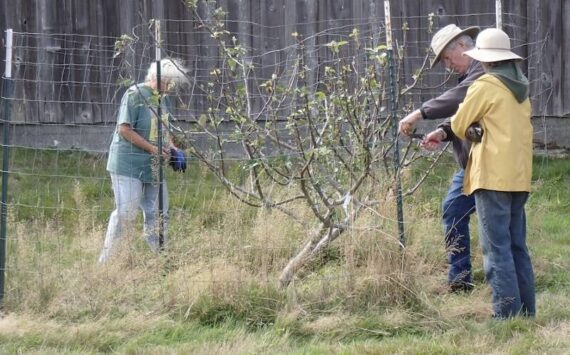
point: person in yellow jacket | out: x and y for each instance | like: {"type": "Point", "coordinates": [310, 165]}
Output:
{"type": "Point", "coordinates": [499, 169]}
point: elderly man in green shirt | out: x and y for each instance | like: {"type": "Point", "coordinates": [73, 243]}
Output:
{"type": "Point", "coordinates": [133, 152]}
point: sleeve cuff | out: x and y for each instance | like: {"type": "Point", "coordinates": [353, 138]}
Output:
{"type": "Point", "coordinates": [448, 131]}
{"type": "Point", "coordinates": [423, 112]}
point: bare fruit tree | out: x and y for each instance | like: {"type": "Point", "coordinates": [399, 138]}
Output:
{"type": "Point", "coordinates": [316, 131]}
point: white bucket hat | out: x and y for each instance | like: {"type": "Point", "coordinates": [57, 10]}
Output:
{"type": "Point", "coordinates": [493, 45]}
{"type": "Point", "coordinates": [447, 34]}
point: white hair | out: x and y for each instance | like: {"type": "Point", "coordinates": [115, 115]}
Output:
{"type": "Point", "coordinates": [465, 39]}
{"type": "Point", "coordinates": [170, 69]}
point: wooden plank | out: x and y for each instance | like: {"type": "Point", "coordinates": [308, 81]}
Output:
{"type": "Point", "coordinates": [127, 13]}
{"type": "Point", "coordinates": [105, 107]}
{"type": "Point", "coordinates": [244, 28]}
{"type": "Point", "coordinates": [195, 97]}
{"type": "Point", "coordinates": [339, 21]}
{"type": "Point", "coordinates": [109, 27]}
{"type": "Point", "coordinates": [415, 38]}
{"type": "Point", "coordinates": [21, 17]}
{"type": "Point", "coordinates": [78, 88]}
{"type": "Point", "coordinates": [207, 52]}
{"type": "Point", "coordinates": [565, 53]}
{"type": "Point", "coordinates": [534, 57]}
{"type": "Point", "coordinates": [360, 22]}
{"type": "Point", "coordinates": [272, 38]}
{"type": "Point", "coordinates": [50, 47]}
{"type": "Point", "coordinates": [554, 22]}
{"type": "Point", "coordinates": [544, 70]}
{"type": "Point", "coordinates": [515, 24]}
{"type": "Point", "coordinates": [307, 27]}
{"type": "Point", "coordinates": [177, 43]}
{"type": "Point", "coordinates": [289, 27]}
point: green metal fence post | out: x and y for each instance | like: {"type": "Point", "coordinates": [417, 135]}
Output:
{"type": "Point", "coordinates": [393, 113]}
{"type": "Point", "coordinates": [160, 142]}
{"type": "Point", "coordinates": [5, 161]}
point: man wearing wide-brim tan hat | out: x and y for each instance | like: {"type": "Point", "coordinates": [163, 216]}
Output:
{"type": "Point", "coordinates": [499, 170]}
{"type": "Point", "coordinates": [447, 34]}
{"type": "Point", "coordinates": [448, 46]}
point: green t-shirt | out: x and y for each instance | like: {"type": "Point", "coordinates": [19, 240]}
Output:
{"type": "Point", "coordinates": [125, 158]}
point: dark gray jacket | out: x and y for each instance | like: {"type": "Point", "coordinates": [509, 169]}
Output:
{"type": "Point", "coordinates": [445, 106]}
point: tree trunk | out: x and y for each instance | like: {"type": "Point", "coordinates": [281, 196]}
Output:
{"type": "Point", "coordinates": [320, 241]}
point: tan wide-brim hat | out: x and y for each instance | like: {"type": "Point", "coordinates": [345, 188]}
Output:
{"type": "Point", "coordinates": [493, 45]}
{"type": "Point", "coordinates": [447, 34]}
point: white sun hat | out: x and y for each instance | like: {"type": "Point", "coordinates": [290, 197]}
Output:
{"type": "Point", "coordinates": [447, 34]}
{"type": "Point", "coordinates": [493, 45]}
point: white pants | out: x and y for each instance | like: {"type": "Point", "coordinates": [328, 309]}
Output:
{"type": "Point", "coordinates": [130, 195]}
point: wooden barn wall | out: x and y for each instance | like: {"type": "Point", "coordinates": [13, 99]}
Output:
{"type": "Point", "coordinates": [84, 52]}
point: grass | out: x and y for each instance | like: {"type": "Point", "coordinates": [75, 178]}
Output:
{"type": "Point", "coordinates": [216, 290]}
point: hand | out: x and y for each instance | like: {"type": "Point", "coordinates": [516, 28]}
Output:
{"type": "Point", "coordinates": [165, 152]}
{"type": "Point", "coordinates": [433, 139]}
{"type": "Point", "coordinates": [407, 124]}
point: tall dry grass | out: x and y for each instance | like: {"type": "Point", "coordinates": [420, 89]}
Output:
{"type": "Point", "coordinates": [218, 280]}
{"type": "Point", "coordinates": [222, 263]}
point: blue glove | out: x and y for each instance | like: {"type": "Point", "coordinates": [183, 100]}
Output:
{"type": "Point", "coordinates": [177, 160]}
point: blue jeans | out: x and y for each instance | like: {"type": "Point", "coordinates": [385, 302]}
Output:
{"type": "Point", "coordinates": [457, 209]}
{"type": "Point", "coordinates": [508, 269]}
{"type": "Point", "coordinates": [130, 195]}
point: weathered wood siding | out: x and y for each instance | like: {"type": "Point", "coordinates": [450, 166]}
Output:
{"type": "Point", "coordinates": [66, 73]}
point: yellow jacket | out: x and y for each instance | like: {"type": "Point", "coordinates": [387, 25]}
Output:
{"type": "Point", "coordinates": [502, 161]}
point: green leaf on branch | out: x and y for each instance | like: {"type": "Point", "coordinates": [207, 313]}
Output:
{"type": "Point", "coordinates": [191, 4]}
{"type": "Point", "coordinates": [122, 44]}
{"type": "Point", "coordinates": [202, 120]}
{"type": "Point", "coordinates": [335, 46]}
{"type": "Point", "coordinates": [232, 64]}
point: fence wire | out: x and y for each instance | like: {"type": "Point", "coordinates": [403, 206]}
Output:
{"type": "Point", "coordinates": [67, 89]}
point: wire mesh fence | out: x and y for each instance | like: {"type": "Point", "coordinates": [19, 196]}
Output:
{"type": "Point", "coordinates": [64, 103]}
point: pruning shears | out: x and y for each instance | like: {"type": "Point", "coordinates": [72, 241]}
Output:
{"type": "Point", "coordinates": [419, 136]}
{"type": "Point", "coordinates": [415, 135]}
